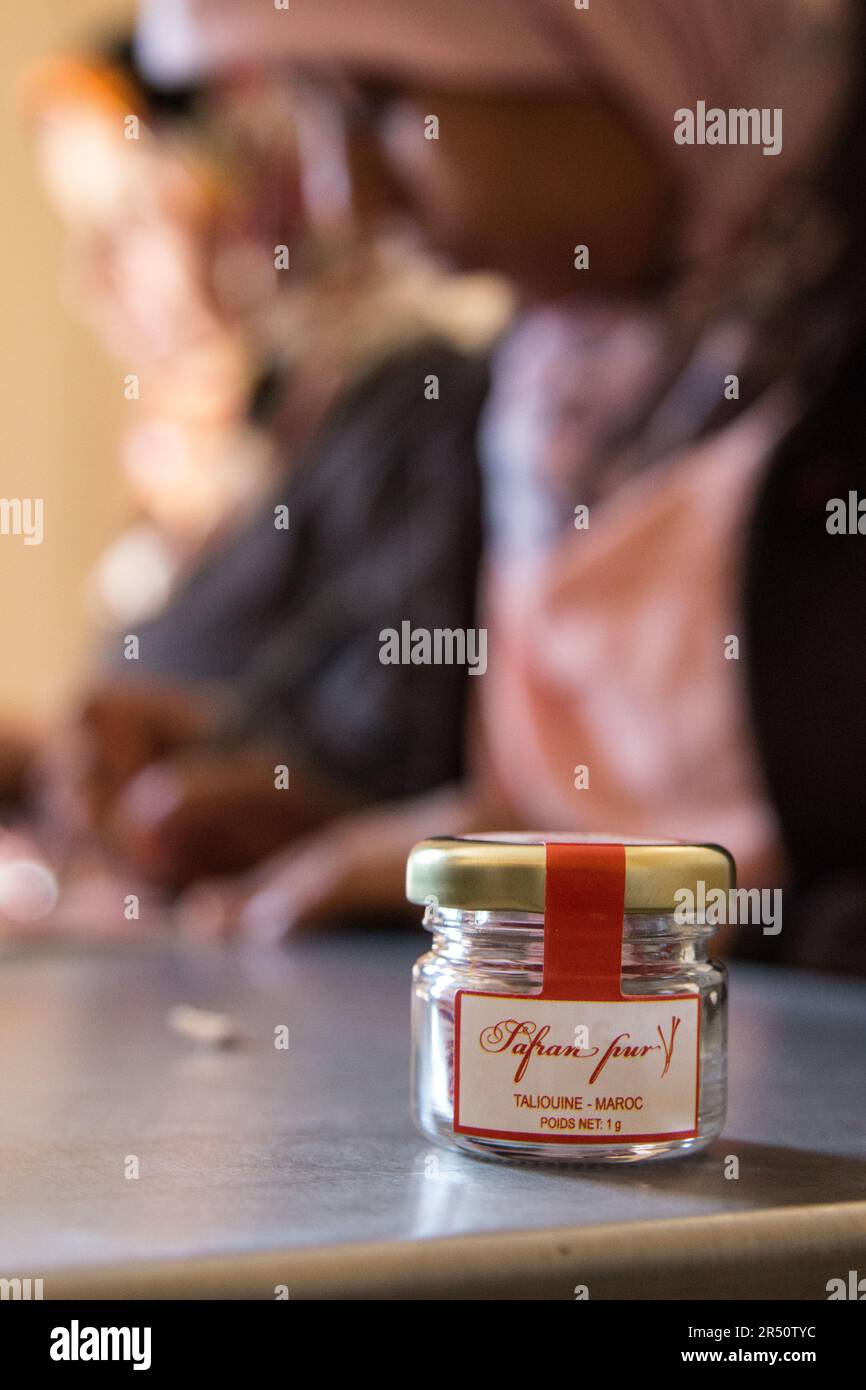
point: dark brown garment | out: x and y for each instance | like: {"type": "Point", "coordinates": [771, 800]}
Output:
{"type": "Point", "coordinates": [805, 605]}
{"type": "Point", "coordinates": [384, 528]}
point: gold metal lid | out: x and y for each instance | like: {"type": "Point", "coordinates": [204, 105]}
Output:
{"type": "Point", "coordinates": [490, 871]}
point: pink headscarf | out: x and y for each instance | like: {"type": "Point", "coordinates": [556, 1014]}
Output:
{"type": "Point", "coordinates": [654, 56]}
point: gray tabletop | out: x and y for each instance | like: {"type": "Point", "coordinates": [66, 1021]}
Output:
{"type": "Point", "coordinates": [257, 1160]}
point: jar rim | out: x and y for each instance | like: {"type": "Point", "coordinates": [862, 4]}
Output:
{"type": "Point", "coordinates": [507, 872]}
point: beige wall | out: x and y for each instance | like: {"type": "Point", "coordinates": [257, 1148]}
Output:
{"type": "Point", "coordinates": [60, 402]}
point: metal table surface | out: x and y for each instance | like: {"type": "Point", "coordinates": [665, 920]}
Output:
{"type": "Point", "coordinates": [261, 1166]}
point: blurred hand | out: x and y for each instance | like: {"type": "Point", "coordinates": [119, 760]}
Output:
{"type": "Point", "coordinates": [356, 865]}
{"type": "Point", "coordinates": [117, 731]}
{"type": "Point", "coordinates": [214, 812]}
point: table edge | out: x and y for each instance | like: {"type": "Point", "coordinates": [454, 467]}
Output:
{"type": "Point", "coordinates": [778, 1253]}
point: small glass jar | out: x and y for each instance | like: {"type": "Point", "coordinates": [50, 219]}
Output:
{"type": "Point", "coordinates": [571, 1080]}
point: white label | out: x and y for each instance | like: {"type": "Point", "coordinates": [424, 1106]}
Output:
{"type": "Point", "coordinates": [564, 1072]}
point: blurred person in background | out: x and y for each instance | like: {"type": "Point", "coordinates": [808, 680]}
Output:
{"type": "Point", "coordinates": [695, 384]}
{"type": "Point", "coordinates": [261, 393]}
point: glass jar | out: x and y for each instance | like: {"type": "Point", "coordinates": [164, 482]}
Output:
{"type": "Point", "coordinates": [629, 1068]}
